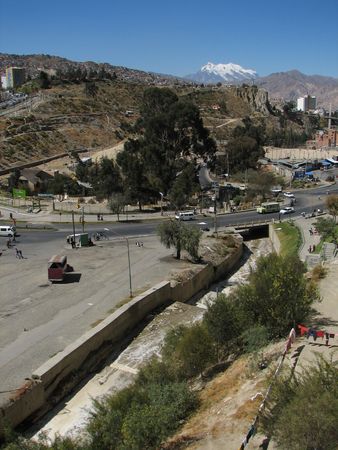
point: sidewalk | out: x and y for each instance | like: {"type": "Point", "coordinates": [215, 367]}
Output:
{"type": "Point", "coordinates": [309, 240]}
{"type": "Point", "coordinates": [56, 217]}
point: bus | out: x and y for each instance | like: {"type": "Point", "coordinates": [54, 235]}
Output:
{"type": "Point", "coordinates": [185, 215]}
{"type": "Point", "coordinates": [268, 207]}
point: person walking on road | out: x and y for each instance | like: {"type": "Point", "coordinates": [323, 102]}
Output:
{"type": "Point", "coordinates": [18, 253]}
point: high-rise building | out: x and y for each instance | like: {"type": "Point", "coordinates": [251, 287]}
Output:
{"type": "Point", "coordinates": [307, 103]}
{"type": "Point", "coordinates": [3, 82]}
{"type": "Point", "coordinates": [15, 76]}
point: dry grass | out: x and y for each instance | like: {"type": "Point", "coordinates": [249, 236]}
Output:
{"type": "Point", "coordinates": [318, 273]}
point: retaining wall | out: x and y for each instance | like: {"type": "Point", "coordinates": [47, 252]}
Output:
{"type": "Point", "coordinates": [60, 374]}
{"type": "Point", "coordinates": [273, 235]}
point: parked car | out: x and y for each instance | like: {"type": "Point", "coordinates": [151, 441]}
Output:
{"type": "Point", "coordinates": [287, 210]}
{"type": "Point", "coordinates": [289, 195]}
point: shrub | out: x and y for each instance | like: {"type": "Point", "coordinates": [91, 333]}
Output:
{"type": "Point", "coordinates": [277, 295]}
{"type": "Point", "coordinates": [254, 338]}
{"type": "Point", "coordinates": [139, 416]}
{"type": "Point", "coordinates": [302, 412]}
{"type": "Point", "coordinates": [188, 351]}
{"type": "Point", "coordinates": [318, 273]}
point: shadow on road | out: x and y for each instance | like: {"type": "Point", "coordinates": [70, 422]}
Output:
{"type": "Point", "coordinates": [71, 278]}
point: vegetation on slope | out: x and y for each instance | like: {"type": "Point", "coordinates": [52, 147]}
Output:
{"type": "Point", "coordinates": [147, 412]}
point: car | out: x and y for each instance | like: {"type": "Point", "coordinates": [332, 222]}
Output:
{"type": "Point", "coordinates": [289, 195]}
{"type": "Point", "coordinates": [287, 210]}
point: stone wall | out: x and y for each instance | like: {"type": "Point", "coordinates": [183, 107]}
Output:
{"type": "Point", "coordinates": [273, 235]}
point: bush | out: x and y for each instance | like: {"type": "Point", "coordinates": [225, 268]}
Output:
{"type": "Point", "coordinates": [318, 273]}
{"type": "Point", "coordinates": [302, 412]}
{"type": "Point", "coordinates": [254, 338]}
{"type": "Point", "coordinates": [188, 351]}
{"type": "Point", "coordinates": [225, 320]}
{"type": "Point", "coordinates": [277, 295]}
{"type": "Point", "coordinates": [139, 416]}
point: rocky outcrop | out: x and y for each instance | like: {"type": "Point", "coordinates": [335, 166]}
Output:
{"type": "Point", "coordinates": [258, 99]}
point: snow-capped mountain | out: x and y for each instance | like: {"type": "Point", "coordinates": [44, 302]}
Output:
{"type": "Point", "coordinates": [224, 73]}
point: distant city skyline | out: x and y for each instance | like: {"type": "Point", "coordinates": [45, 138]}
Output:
{"type": "Point", "coordinates": [178, 38]}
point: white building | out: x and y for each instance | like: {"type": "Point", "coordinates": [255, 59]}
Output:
{"type": "Point", "coordinates": [4, 82]}
{"type": "Point", "coordinates": [307, 103]}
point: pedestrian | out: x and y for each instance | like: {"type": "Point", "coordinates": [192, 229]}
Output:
{"type": "Point", "coordinates": [9, 243]}
{"type": "Point", "coordinates": [98, 217]}
{"type": "Point", "coordinates": [101, 216]}
{"type": "Point", "coordinates": [18, 253]}
{"type": "Point", "coordinates": [313, 248]}
{"type": "Point", "coordinates": [327, 337]}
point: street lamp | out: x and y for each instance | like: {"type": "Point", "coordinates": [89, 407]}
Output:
{"type": "Point", "coordinates": [128, 254]}
{"type": "Point", "coordinates": [161, 194]}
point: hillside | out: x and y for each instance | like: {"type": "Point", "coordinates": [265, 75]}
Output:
{"type": "Point", "coordinates": [55, 64]}
{"type": "Point", "coordinates": [65, 118]}
{"type": "Point", "coordinates": [293, 84]}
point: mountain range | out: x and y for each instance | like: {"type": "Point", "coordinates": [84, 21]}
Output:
{"type": "Point", "coordinates": [281, 85]}
{"type": "Point", "coordinates": [220, 73]}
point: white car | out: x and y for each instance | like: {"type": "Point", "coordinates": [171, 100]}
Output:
{"type": "Point", "coordinates": [287, 210]}
{"type": "Point", "coordinates": [289, 195]}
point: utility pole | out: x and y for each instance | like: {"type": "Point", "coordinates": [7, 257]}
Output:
{"type": "Point", "coordinates": [161, 194]}
{"type": "Point", "coordinates": [83, 222]}
{"type": "Point", "coordinates": [73, 227]}
{"type": "Point", "coordinates": [130, 288]}
{"type": "Point", "coordinates": [215, 213]}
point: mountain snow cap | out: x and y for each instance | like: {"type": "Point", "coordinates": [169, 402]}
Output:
{"type": "Point", "coordinates": [229, 71]}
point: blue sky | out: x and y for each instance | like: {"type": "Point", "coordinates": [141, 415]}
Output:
{"type": "Point", "coordinates": [178, 37]}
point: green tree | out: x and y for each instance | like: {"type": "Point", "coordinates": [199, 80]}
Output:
{"type": "Point", "coordinates": [13, 179]}
{"type": "Point", "coordinates": [332, 205]}
{"type": "Point", "coordinates": [117, 203]}
{"type": "Point", "coordinates": [277, 295]}
{"type": "Point", "coordinates": [175, 234]}
{"type": "Point", "coordinates": [135, 182]}
{"type": "Point", "coordinates": [172, 135]}
{"type": "Point", "coordinates": [188, 351]}
{"type": "Point", "coordinates": [104, 176]}
{"type": "Point", "coordinates": [261, 183]}
{"type": "Point", "coordinates": [326, 227]}
{"type": "Point", "coordinates": [170, 234]}
{"type": "Point", "coordinates": [225, 320]}
{"type": "Point", "coordinates": [190, 239]}
{"type": "Point", "coordinates": [184, 186]}
{"type": "Point", "coordinates": [44, 80]}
